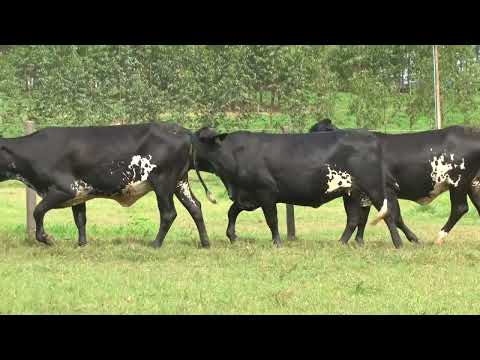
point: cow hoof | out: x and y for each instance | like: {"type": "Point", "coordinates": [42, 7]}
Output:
{"type": "Point", "coordinates": [344, 243]}
{"type": "Point", "coordinates": [232, 237]}
{"type": "Point", "coordinates": [156, 244]}
{"type": "Point", "coordinates": [205, 246]}
{"type": "Point", "coordinates": [47, 240]}
{"type": "Point", "coordinates": [278, 245]}
{"type": "Point", "coordinates": [360, 244]}
{"type": "Point", "coordinates": [50, 240]}
{"type": "Point", "coordinates": [82, 244]}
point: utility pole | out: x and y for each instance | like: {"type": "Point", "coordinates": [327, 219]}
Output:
{"type": "Point", "coordinates": [436, 88]}
{"type": "Point", "coordinates": [31, 196]}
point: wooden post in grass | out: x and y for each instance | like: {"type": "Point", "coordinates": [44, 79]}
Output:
{"type": "Point", "coordinates": [290, 215]}
{"type": "Point", "coordinates": [436, 88]}
{"type": "Point", "coordinates": [31, 195]}
{"type": "Point", "coordinates": [290, 222]}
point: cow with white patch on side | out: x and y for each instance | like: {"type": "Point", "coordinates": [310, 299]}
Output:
{"type": "Point", "coordinates": [261, 170]}
{"type": "Point", "coordinates": [424, 165]}
{"type": "Point", "coordinates": [69, 166]}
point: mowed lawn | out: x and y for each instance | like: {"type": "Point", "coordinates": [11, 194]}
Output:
{"type": "Point", "coordinates": [119, 273]}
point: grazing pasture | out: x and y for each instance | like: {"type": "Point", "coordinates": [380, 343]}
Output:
{"type": "Point", "coordinates": [119, 273]}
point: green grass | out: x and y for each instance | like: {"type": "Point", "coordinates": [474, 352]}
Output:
{"type": "Point", "coordinates": [119, 273]}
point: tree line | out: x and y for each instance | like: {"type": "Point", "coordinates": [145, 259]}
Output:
{"type": "Point", "coordinates": [232, 86]}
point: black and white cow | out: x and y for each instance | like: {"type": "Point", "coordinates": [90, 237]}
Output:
{"type": "Point", "coordinates": [261, 170]}
{"type": "Point", "coordinates": [424, 165]}
{"type": "Point", "coordinates": [69, 166]}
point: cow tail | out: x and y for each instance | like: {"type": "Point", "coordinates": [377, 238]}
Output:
{"type": "Point", "coordinates": [383, 176]}
{"type": "Point", "coordinates": [210, 196]}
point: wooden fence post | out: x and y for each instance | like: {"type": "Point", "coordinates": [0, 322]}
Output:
{"type": "Point", "coordinates": [290, 222]}
{"type": "Point", "coordinates": [290, 214]}
{"type": "Point", "coordinates": [31, 195]}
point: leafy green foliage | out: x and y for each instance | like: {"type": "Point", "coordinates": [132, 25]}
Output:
{"type": "Point", "coordinates": [234, 86]}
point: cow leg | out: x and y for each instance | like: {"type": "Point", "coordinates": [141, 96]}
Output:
{"type": "Point", "coordinates": [167, 216]}
{"type": "Point", "coordinates": [408, 233]}
{"type": "Point", "coordinates": [53, 199]}
{"type": "Point", "coordinates": [270, 212]}
{"type": "Point", "coordinates": [80, 217]}
{"type": "Point", "coordinates": [362, 222]}
{"type": "Point", "coordinates": [364, 211]}
{"type": "Point", "coordinates": [459, 207]}
{"type": "Point", "coordinates": [391, 219]}
{"type": "Point", "coordinates": [352, 209]}
{"type": "Point", "coordinates": [386, 203]}
{"type": "Point", "coordinates": [194, 207]}
{"type": "Point", "coordinates": [232, 219]}
{"type": "Point", "coordinates": [166, 206]}
{"type": "Point", "coordinates": [475, 198]}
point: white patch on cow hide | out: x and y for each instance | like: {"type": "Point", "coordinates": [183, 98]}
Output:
{"type": "Point", "coordinates": [365, 200]}
{"type": "Point", "coordinates": [80, 187]}
{"type": "Point", "coordinates": [185, 190]}
{"type": "Point", "coordinates": [134, 190]}
{"type": "Point", "coordinates": [146, 167]}
{"type": "Point", "coordinates": [476, 184]}
{"type": "Point", "coordinates": [82, 193]}
{"type": "Point", "coordinates": [441, 169]}
{"type": "Point", "coordinates": [441, 176]}
{"type": "Point", "coordinates": [338, 180]}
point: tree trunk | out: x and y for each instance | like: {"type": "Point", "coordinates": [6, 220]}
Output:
{"type": "Point", "coordinates": [272, 103]}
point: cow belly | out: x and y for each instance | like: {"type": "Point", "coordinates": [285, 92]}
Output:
{"type": "Point", "coordinates": [132, 193]}
{"type": "Point", "coordinates": [438, 189]}
{"type": "Point", "coordinates": [126, 197]}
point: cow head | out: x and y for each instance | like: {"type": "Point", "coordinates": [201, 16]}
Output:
{"type": "Point", "coordinates": [323, 125]}
{"type": "Point", "coordinates": [209, 151]}
{"type": "Point", "coordinates": [6, 164]}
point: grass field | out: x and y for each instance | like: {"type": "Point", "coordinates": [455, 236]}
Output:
{"type": "Point", "coordinates": [119, 273]}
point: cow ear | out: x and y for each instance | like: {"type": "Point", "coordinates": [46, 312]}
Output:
{"type": "Point", "coordinates": [220, 138]}
{"type": "Point", "coordinates": [210, 136]}
{"type": "Point", "coordinates": [206, 135]}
